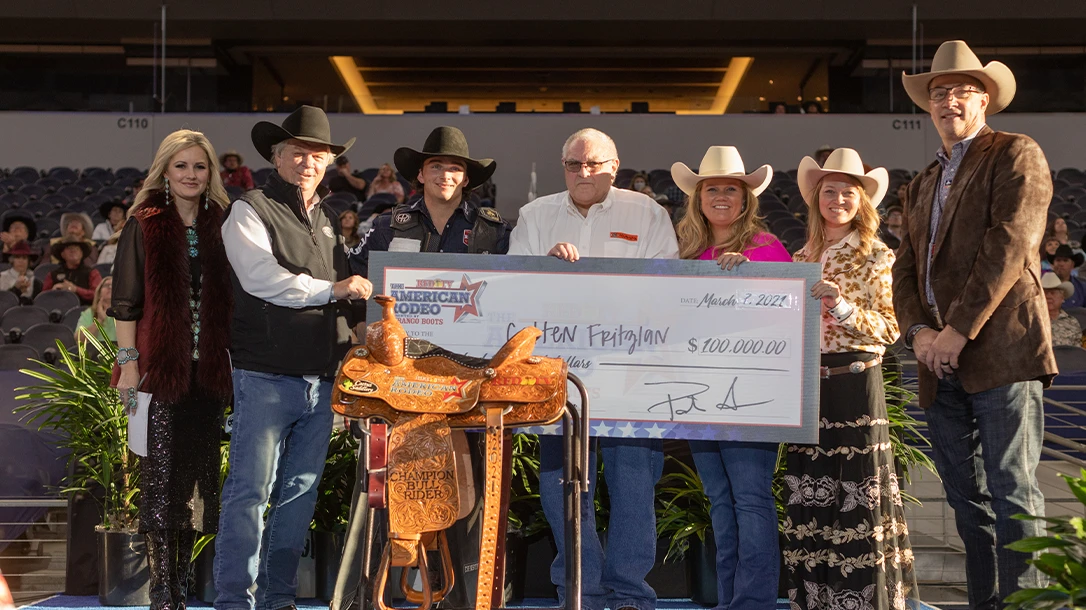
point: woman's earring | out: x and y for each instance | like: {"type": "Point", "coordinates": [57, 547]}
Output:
{"type": "Point", "coordinates": [206, 196]}
{"type": "Point", "coordinates": [167, 190]}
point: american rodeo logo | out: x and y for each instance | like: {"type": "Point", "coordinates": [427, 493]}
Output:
{"type": "Point", "coordinates": [426, 301]}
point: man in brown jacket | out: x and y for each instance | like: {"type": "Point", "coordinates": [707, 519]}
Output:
{"type": "Point", "coordinates": [968, 295]}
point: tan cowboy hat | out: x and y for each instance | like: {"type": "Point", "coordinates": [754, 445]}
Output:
{"type": "Point", "coordinates": [842, 161]}
{"type": "Point", "coordinates": [721, 162]}
{"type": "Point", "coordinates": [1051, 281]}
{"type": "Point", "coordinates": [955, 57]}
{"type": "Point", "coordinates": [231, 153]}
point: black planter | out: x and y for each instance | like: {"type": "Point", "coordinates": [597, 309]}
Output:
{"type": "Point", "coordinates": [122, 568]}
{"type": "Point", "coordinates": [203, 568]}
{"type": "Point", "coordinates": [538, 557]}
{"type": "Point", "coordinates": [669, 578]}
{"type": "Point", "coordinates": [327, 551]}
{"type": "Point", "coordinates": [701, 576]}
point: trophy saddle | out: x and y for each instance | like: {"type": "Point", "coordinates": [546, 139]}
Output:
{"type": "Point", "coordinates": [423, 392]}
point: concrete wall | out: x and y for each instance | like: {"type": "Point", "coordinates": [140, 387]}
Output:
{"type": "Point", "coordinates": [517, 141]}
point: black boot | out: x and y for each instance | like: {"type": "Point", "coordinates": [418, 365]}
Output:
{"type": "Point", "coordinates": [161, 561]}
{"type": "Point", "coordinates": [185, 541]}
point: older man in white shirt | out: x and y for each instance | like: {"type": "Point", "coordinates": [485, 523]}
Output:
{"type": "Point", "coordinates": [593, 218]}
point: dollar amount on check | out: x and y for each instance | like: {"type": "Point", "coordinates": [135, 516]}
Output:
{"type": "Point", "coordinates": [678, 356]}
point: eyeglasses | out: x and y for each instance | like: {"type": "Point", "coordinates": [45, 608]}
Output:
{"type": "Point", "coordinates": [961, 92]}
{"type": "Point", "coordinates": [593, 167]}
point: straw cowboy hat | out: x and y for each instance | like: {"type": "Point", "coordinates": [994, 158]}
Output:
{"type": "Point", "coordinates": [231, 153]}
{"type": "Point", "coordinates": [1051, 281]}
{"type": "Point", "coordinates": [307, 123]}
{"type": "Point", "coordinates": [444, 142]}
{"type": "Point", "coordinates": [842, 161]}
{"type": "Point", "coordinates": [955, 57]}
{"type": "Point", "coordinates": [721, 162]}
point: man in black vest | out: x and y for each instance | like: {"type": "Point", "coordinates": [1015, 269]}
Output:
{"type": "Point", "coordinates": [444, 172]}
{"type": "Point", "coordinates": [289, 333]}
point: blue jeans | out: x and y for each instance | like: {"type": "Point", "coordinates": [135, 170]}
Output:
{"type": "Point", "coordinates": [738, 479]}
{"type": "Point", "coordinates": [631, 467]}
{"type": "Point", "coordinates": [987, 446]}
{"type": "Point", "coordinates": [277, 451]}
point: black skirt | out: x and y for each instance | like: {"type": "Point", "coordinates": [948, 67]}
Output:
{"type": "Point", "coordinates": [179, 477]}
{"type": "Point", "coordinates": [846, 541]}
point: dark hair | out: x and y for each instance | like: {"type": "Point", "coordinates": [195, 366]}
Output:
{"type": "Point", "coordinates": [341, 161]}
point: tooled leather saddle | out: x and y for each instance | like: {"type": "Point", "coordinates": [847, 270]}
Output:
{"type": "Point", "coordinates": [424, 392]}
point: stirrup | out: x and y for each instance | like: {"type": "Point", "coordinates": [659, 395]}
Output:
{"type": "Point", "coordinates": [447, 575]}
{"type": "Point", "coordinates": [382, 579]}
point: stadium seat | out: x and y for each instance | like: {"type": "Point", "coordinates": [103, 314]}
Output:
{"type": "Point", "coordinates": [260, 176]}
{"type": "Point", "coordinates": [21, 318]}
{"type": "Point", "coordinates": [63, 174]}
{"type": "Point", "coordinates": [10, 184]}
{"type": "Point", "coordinates": [128, 172]}
{"type": "Point", "coordinates": [1079, 314]}
{"type": "Point", "coordinates": [8, 299]}
{"type": "Point", "coordinates": [51, 184]}
{"type": "Point", "coordinates": [71, 317]}
{"type": "Point", "coordinates": [47, 226]}
{"type": "Point", "coordinates": [104, 269]}
{"type": "Point", "coordinates": [1070, 359]}
{"type": "Point", "coordinates": [57, 201]}
{"type": "Point", "coordinates": [28, 175]}
{"type": "Point", "coordinates": [43, 269]}
{"type": "Point", "coordinates": [13, 200]}
{"type": "Point", "coordinates": [56, 302]}
{"type": "Point", "coordinates": [369, 174]}
{"type": "Point", "coordinates": [72, 192]}
{"type": "Point", "coordinates": [45, 336]}
{"type": "Point", "coordinates": [112, 192]}
{"type": "Point", "coordinates": [101, 175]}
{"type": "Point", "coordinates": [34, 191]}
{"type": "Point", "coordinates": [14, 357]}
{"type": "Point", "coordinates": [90, 184]}
{"type": "Point", "coordinates": [793, 234]}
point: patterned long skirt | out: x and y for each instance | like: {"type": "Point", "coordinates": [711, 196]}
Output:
{"type": "Point", "coordinates": [846, 541]}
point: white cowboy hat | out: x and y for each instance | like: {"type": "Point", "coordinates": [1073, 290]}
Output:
{"type": "Point", "coordinates": [955, 57]}
{"type": "Point", "coordinates": [1051, 281]}
{"type": "Point", "coordinates": [842, 161]}
{"type": "Point", "coordinates": [721, 162]}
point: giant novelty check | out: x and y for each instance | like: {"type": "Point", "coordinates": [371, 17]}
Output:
{"type": "Point", "coordinates": [666, 348]}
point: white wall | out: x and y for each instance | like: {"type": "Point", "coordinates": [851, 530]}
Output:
{"type": "Point", "coordinates": [517, 140]}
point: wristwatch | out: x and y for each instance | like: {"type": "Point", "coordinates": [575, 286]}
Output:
{"type": "Point", "coordinates": [126, 355]}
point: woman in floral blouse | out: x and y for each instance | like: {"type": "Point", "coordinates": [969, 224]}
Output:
{"type": "Point", "coordinates": [846, 542]}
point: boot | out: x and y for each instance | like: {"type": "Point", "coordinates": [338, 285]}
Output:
{"type": "Point", "coordinates": [185, 541]}
{"type": "Point", "coordinates": [161, 560]}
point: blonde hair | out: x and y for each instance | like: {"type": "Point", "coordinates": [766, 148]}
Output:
{"type": "Point", "coordinates": [98, 292]}
{"type": "Point", "coordinates": [172, 144]}
{"type": "Point", "coordinates": [865, 222]}
{"type": "Point", "coordinates": [696, 236]}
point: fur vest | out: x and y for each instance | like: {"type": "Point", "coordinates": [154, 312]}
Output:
{"type": "Point", "coordinates": [164, 333]}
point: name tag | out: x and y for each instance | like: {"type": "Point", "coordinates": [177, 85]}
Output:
{"type": "Point", "coordinates": [625, 236]}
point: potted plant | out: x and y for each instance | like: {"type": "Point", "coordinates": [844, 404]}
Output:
{"type": "Point", "coordinates": [1062, 557]}
{"type": "Point", "coordinates": [73, 398]}
{"type": "Point", "coordinates": [333, 509]}
{"type": "Point", "coordinates": [528, 527]}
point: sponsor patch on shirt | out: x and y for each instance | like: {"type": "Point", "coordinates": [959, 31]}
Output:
{"type": "Point", "coordinates": [328, 232]}
{"type": "Point", "coordinates": [625, 236]}
{"type": "Point", "coordinates": [467, 236]}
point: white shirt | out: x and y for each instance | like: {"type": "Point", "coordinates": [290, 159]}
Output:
{"type": "Point", "coordinates": [248, 247]}
{"type": "Point", "coordinates": [103, 231]}
{"type": "Point", "coordinates": [625, 225]}
{"type": "Point", "coordinates": [8, 277]}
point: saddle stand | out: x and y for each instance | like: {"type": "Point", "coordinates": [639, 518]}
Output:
{"type": "Point", "coordinates": [414, 394]}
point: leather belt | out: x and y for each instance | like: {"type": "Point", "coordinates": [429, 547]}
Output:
{"type": "Point", "coordinates": [855, 368]}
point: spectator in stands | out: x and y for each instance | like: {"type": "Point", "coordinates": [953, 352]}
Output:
{"type": "Point", "coordinates": [1064, 261]}
{"type": "Point", "coordinates": [346, 180]}
{"type": "Point", "coordinates": [385, 182]}
{"type": "Point", "coordinates": [17, 228]}
{"type": "Point", "coordinates": [172, 306]}
{"type": "Point", "coordinates": [19, 279]}
{"type": "Point", "coordinates": [853, 455]}
{"type": "Point", "coordinates": [822, 154]}
{"type": "Point", "coordinates": [965, 293]}
{"type": "Point", "coordinates": [722, 224]}
{"type": "Point", "coordinates": [1066, 329]}
{"type": "Point", "coordinates": [1048, 248]}
{"type": "Point", "coordinates": [890, 231]}
{"type": "Point", "coordinates": [234, 173]}
{"type": "Point", "coordinates": [289, 334]}
{"type": "Point", "coordinates": [348, 228]}
{"type": "Point", "coordinates": [1057, 227]}
{"type": "Point", "coordinates": [778, 108]}
{"type": "Point", "coordinates": [99, 312]}
{"type": "Point", "coordinates": [114, 213]}
{"type": "Point", "coordinates": [902, 191]}
{"type": "Point", "coordinates": [73, 274]}
{"type": "Point", "coordinates": [77, 226]}
{"type": "Point", "coordinates": [132, 191]}
{"type": "Point", "coordinates": [812, 107]}
{"type": "Point", "coordinates": [639, 181]}
{"type": "Point", "coordinates": [108, 251]}
{"type": "Point", "coordinates": [593, 218]}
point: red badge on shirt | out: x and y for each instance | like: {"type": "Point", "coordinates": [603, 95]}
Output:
{"type": "Point", "coordinates": [467, 236]}
{"type": "Point", "coordinates": [626, 236]}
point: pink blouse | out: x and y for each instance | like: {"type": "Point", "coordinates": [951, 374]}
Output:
{"type": "Point", "coordinates": [766, 248]}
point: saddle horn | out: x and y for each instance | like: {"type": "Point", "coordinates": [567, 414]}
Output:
{"type": "Point", "coordinates": [385, 339]}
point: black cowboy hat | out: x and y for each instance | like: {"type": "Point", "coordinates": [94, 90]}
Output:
{"type": "Point", "coordinates": [57, 248]}
{"type": "Point", "coordinates": [26, 219]}
{"type": "Point", "coordinates": [108, 205]}
{"type": "Point", "coordinates": [308, 124]}
{"type": "Point", "coordinates": [1065, 251]}
{"type": "Point", "coordinates": [444, 142]}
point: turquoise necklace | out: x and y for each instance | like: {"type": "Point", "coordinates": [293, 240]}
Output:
{"type": "Point", "coordinates": [194, 296]}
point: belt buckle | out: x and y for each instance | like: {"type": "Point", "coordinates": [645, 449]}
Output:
{"type": "Point", "coordinates": [857, 367]}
